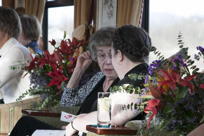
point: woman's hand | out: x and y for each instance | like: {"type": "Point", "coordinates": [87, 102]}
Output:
{"type": "Point", "coordinates": [83, 62]}
{"type": "Point", "coordinates": [69, 130]}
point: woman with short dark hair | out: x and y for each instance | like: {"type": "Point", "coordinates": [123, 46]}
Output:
{"type": "Point", "coordinates": [30, 33]}
{"type": "Point", "coordinates": [129, 51]}
{"type": "Point", "coordinates": [130, 48]}
{"type": "Point", "coordinates": [13, 56]}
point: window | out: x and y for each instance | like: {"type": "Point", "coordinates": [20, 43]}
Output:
{"type": "Point", "coordinates": [58, 18]}
{"type": "Point", "coordinates": [0, 2]}
{"type": "Point", "coordinates": [170, 17]}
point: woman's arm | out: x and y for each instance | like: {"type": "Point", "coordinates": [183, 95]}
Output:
{"type": "Point", "coordinates": [80, 123]}
{"type": "Point", "coordinates": [75, 96]}
{"type": "Point", "coordinates": [72, 94]}
{"type": "Point", "coordinates": [83, 62]}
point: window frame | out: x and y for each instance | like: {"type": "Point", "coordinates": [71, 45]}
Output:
{"type": "Point", "coordinates": [145, 16]}
{"type": "Point", "coordinates": [52, 4]}
{"type": "Point", "coordinates": [61, 3]}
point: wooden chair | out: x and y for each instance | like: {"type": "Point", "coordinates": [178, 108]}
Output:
{"type": "Point", "coordinates": [10, 113]}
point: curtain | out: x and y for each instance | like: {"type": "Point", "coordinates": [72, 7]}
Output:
{"type": "Point", "coordinates": [32, 7]}
{"type": "Point", "coordinates": [83, 12]}
{"type": "Point", "coordinates": [8, 3]}
{"type": "Point", "coordinates": [129, 12]}
{"type": "Point", "coordinates": [35, 8]}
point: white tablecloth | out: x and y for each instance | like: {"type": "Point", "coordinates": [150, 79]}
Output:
{"type": "Point", "coordinates": [49, 133]}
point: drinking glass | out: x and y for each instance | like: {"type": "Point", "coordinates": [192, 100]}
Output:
{"type": "Point", "coordinates": [104, 110]}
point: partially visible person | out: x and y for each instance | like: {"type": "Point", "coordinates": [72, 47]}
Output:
{"type": "Point", "coordinates": [99, 46]}
{"type": "Point", "coordinates": [199, 131]}
{"type": "Point", "coordinates": [130, 49]}
{"type": "Point", "coordinates": [41, 44]}
{"type": "Point", "coordinates": [86, 95]}
{"type": "Point", "coordinates": [30, 33]}
{"type": "Point", "coordinates": [13, 56]}
{"type": "Point", "coordinates": [131, 46]}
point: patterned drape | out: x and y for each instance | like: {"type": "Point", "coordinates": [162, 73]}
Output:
{"type": "Point", "coordinates": [32, 7]}
{"type": "Point", "coordinates": [35, 8]}
{"type": "Point", "coordinates": [129, 12]}
{"type": "Point", "coordinates": [8, 3]}
{"type": "Point", "coordinates": [84, 12]}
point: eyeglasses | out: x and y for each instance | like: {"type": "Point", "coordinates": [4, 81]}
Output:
{"type": "Point", "coordinates": [103, 56]}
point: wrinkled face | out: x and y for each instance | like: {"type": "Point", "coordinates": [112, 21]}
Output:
{"type": "Point", "coordinates": [104, 61]}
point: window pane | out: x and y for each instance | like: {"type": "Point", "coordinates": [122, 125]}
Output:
{"type": "Point", "coordinates": [169, 17]}
{"type": "Point", "coordinates": [60, 19]}
{"type": "Point", "coordinates": [0, 2]}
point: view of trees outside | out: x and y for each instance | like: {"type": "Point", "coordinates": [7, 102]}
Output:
{"type": "Point", "coordinates": [170, 17]}
{"type": "Point", "coordinates": [60, 19]}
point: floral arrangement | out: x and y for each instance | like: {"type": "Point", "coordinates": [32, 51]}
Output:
{"type": "Point", "coordinates": [178, 91]}
{"type": "Point", "coordinates": [50, 70]}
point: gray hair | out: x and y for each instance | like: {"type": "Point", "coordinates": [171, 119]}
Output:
{"type": "Point", "coordinates": [102, 37]}
{"type": "Point", "coordinates": [10, 22]}
{"type": "Point", "coordinates": [30, 27]}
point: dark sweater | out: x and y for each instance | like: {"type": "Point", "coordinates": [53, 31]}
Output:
{"type": "Point", "coordinates": [141, 69]}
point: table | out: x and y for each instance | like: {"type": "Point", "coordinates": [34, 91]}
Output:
{"type": "Point", "coordinates": [111, 131]}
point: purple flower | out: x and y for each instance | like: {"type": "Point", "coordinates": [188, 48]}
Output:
{"type": "Point", "coordinates": [179, 60]}
{"type": "Point", "coordinates": [200, 48]}
{"type": "Point", "coordinates": [146, 79]}
{"type": "Point", "coordinates": [154, 65]}
{"type": "Point", "coordinates": [71, 59]}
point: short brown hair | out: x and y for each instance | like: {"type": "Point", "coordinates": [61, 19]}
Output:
{"type": "Point", "coordinates": [133, 42]}
{"type": "Point", "coordinates": [30, 27]}
{"type": "Point", "coordinates": [10, 22]}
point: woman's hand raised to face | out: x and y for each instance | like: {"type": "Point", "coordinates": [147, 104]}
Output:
{"type": "Point", "coordinates": [84, 60]}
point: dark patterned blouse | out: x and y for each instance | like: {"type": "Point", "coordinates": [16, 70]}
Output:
{"type": "Point", "coordinates": [75, 96]}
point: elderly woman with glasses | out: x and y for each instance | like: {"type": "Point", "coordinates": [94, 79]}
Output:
{"type": "Point", "coordinates": [86, 95]}
{"type": "Point", "coordinates": [129, 52]}
{"type": "Point", "coordinates": [99, 51]}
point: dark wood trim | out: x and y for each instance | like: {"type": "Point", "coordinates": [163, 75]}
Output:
{"type": "Point", "coordinates": [111, 131]}
{"type": "Point", "coordinates": [40, 113]}
{"type": "Point", "coordinates": [52, 4]}
{"type": "Point", "coordinates": [145, 16]}
{"type": "Point", "coordinates": [45, 29]}
{"type": "Point", "coordinates": [59, 3]}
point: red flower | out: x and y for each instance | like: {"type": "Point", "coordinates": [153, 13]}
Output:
{"type": "Point", "coordinates": [152, 106]}
{"type": "Point", "coordinates": [172, 79]}
{"type": "Point", "coordinates": [33, 64]}
{"type": "Point", "coordinates": [202, 86]}
{"type": "Point", "coordinates": [57, 78]}
{"type": "Point", "coordinates": [55, 67]}
{"type": "Point", "coordinates": [53, 42]}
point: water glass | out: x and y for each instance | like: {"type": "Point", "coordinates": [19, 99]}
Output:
{"type": "Point", "coordinates": [104, 110]}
